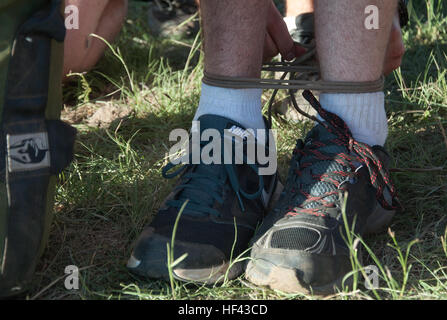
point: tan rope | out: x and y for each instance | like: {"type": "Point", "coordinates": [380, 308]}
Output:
{"type": "Point", "coordinates": [283, 83]}
{"type": "Point", "coordinates": [296, 69]}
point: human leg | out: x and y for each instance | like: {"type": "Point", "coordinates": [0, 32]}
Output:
{"type": "Point", "coordinates": [300, 22]}
{"type": "Point", "coordinates": [225, 201]}
{"type": "Point", "coordinates": [301, 244]}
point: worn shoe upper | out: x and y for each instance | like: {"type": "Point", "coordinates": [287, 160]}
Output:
{"type": "Point", "coordinates": [225, 203]}
{"type": "Point", "coordinates": [307, 231]}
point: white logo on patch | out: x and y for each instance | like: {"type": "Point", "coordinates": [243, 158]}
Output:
{"type": "Point", "coordinates": [28, 152]}
{"type": "Point", "coordinates": [240, 132]}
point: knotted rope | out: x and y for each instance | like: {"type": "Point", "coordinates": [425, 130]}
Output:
{"type": "Point", "coordinates": [293, 78]}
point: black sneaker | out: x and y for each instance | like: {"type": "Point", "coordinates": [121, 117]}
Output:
{"type": "Point", "coordinates": [304, 33]}
{"type": "Point", "coordinates": [225, 205]}
{"type": "Point", "coordinates": [301, 246]}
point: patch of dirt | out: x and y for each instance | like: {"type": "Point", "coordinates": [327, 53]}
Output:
{"type": "Point", "coordinates": [96, 115]}
{"type": "Point", "coordinates": [78, 115]}
{"type": "Point", "coordinates": [104, 116]}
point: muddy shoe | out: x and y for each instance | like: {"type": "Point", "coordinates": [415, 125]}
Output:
{"type": "Point", "coordinates": [301, 245]}
{"type": "Point", "coordinates": [226, 202]}
{"type": "Point", "coordinates": [169, 18]}
{"type": "Point", "coordinates": [304, 31]}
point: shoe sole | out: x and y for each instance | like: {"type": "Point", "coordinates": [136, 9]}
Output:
{"type": "Point", "coordinates": [287, 280]}
{"type": "Point", "coordinates": [208, 276]}
{"type": "Point", "coordinates": [216, 275]}
{"type": "Point", "coordinates": [226, 271]}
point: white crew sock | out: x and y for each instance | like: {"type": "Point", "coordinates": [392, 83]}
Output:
{"type": "Point", "coordinates": [240, 105]}
{"type": "Point", "coordinates": [290, 22]}
{"type": "Point", "coordinates": [364, 114]}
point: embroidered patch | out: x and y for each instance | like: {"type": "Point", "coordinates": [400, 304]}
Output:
{"type": "Point", "coordinates": [27, 152]}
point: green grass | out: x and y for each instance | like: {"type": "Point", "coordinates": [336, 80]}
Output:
{"type": "Point", "coordinates": [114, 186]}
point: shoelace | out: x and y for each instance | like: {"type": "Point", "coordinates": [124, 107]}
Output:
{"type": "Point", "coordinates": [359, 153]}
{"type": "Point", "coordinates": [204, 184]}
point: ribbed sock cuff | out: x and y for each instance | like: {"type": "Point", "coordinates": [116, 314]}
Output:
{"type": "Point", "coordinates": [240, 105]}
{"type": "Point", "coordinates": [364, 114]}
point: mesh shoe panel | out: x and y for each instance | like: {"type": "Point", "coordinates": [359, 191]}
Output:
{"type": "Point", "coordinates": [294, 238]}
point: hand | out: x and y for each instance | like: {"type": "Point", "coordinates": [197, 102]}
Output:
{"type": "Point", "coordinates": [395, 50]}
{"type": "Point", "coordinates": [278, 39]}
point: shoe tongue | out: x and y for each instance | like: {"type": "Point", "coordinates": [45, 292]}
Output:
{"type": "Point", "coordinates": [321, 134]}
{"type": "Point", "coordinates": [208, 178]}
{"type": "Point", "coordinates": [218, 123]}
{"type": "Point", "coordinates": [214, 171]}
{"type": "Point", "coordinates": [229, 129]}
{"type": "Point", "coordinates": [222, 124]}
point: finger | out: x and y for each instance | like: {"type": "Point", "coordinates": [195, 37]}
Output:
{"type": "Point", "coordinates": [395, 50]}
{"type": "Point", "coordinates": [391, 65]}
{"type": "Point", "coordinates": [299, 50]}
{"type": "Point", "coordinates": [270, 50]}
{"type": "Point", "coordinates": [279, 33]}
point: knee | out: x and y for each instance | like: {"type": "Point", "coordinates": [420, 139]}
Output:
{"type": "Point", "coordinates": [103, 17]}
